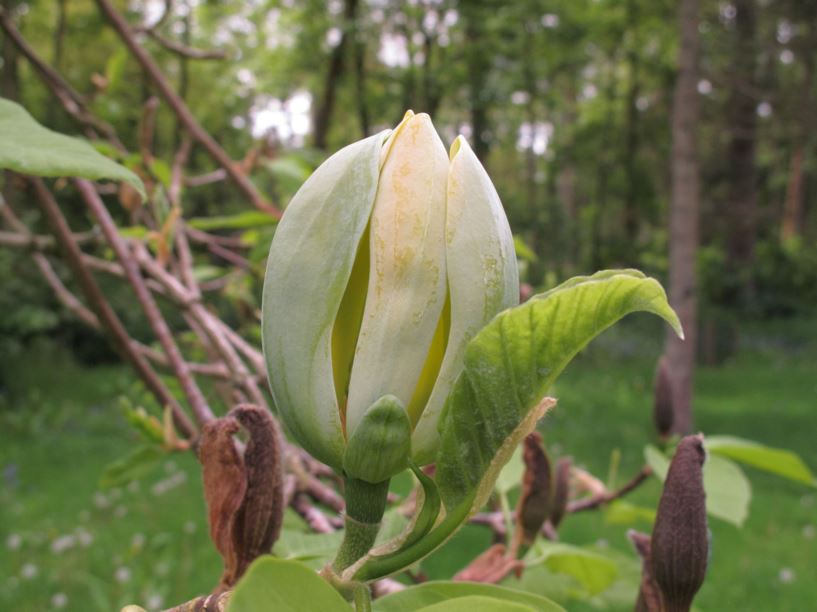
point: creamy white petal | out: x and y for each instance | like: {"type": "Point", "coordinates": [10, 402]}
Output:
{"type": "Point", "coordinates": [407, 285]}
{"type": "Point", "coordinates": [309, 265]}
{"type": "Point", "coordinates": [482, 277]}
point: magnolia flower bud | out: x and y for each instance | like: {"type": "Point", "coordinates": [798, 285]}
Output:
{"type": "Point", "coordinates": [663, 413]}
{"type": "Point", "coordinates": [387, 261]}
{"type": "Point", "coordinates": [680, 538]}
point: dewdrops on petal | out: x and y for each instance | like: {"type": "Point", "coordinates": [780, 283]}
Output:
{"type": "Point", "coordinates": [122, 574]}
{"type": "Point", "coordinates": [29, 571]}
{"type": "Point", "coordinates": [59, 600]}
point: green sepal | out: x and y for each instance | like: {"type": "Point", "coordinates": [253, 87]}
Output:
{"type": "Point", "coordinates": [429, 511]}
{"type": "Point", "coordinates": [380, 447]}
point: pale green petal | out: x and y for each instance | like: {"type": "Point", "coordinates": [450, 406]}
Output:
{"type": "Point", "coordinates": [309, 266]}
{"type": "Point", "coordinates": [482, 277]}
{"type": "Point", "coordinates": [407, 274]}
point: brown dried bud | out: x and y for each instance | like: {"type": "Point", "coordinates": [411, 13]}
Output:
{"type": "Point", "coordinates": [561, 491]}
{"type": "Point", "coordinates": [244, 495]}
{"type": "Point", "coordinates": [663, 413]}
{"type": "Point", "coordinates": [537, 493]}
{"type": "Point", "coordinates": [258, 520]}
{"type": "Point", "coordinates": [680, 539]}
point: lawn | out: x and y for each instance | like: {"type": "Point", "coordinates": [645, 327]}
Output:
{"type": "Point", "coordinates": [68, 544]}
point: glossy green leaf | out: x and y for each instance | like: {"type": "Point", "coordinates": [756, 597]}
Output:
{"type": "Point", "coordinates": [284, 586]}
{"type": "Point", "coordinates": [511, 475]}
{"type": "Point", "coordinates": [244, 220]}
{"type": "Point", "coordinates": [512, 362]}
{"type": "Point", "coordinates": [592, 570]}
{"type": "Point", "coordinates": [29, 148]}
{"type": "Point", "coordinates": [452, 593]}
{"type": "Point", "coordinates": [728, 491]}
{"type": "Point", "coordinates": [429, 507]}
{"type": "Point", "coordinates": [777, 461]}
{"type": "Point", "coordinates": [313, 549]}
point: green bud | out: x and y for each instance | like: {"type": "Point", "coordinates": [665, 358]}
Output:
{"type": "Point", "coordinates": [386, 263]}
{"type": "Point", "coordinates": [381, 445]}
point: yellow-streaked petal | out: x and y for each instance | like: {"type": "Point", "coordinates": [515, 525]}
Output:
{"type": "Point", "coordinates": [482, 277]}
{"type": "Point", "coordinates": [308, 270]}
{"type": "Point", "coordinates": [407, 284]}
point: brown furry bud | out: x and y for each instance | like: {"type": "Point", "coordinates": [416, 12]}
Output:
{"type": "Point", "coordinates": [561, 491]}
{"type": "Point", "coordinates": [663, 414]}
{"type": "Point", "coordinates": [680, 539]}
{"type": "Point", "coordinates": [649, 596]}
{"type": "Point", "coordinates": [537, 492]}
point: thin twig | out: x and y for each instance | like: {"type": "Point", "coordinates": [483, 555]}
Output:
{"type": "Point", "coordinates": [183, 112]}
{"type": "Point", "coordinates": [198, 404]}
{"type": "Point", "coordinates": [594, 501]}
{"type": "Point", "coordinates": [107, 317]}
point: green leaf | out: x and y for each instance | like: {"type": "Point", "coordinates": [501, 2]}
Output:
{"type": "Point", "coordinates": [511, 475]}
{"type": "Point", "coordinates": [284, 586]}
{"type": "Point", "coordinates": [29, 148]}
{"type": "Point", "coordinates": [728, 491]}
{"type": "Point", "coordinates": [477, 603]}
{"type": "Point", "coordinates": [513, 361]}
{"type": "Point", "coordinates": [777, 461]}
{"type": "Point", "coordinates": [429, 511]}
{"type": "Point", "coordinates": [313, 549]}
{"type": "Point", "coordinates": [622, 512]}
{"type": "Point", "coordinates": [657, 461]}
{"type": "Point", "coordinates": [592, 570]}
{"type": "Point", "coordinates": [243, 220]}
{"type": "Point", "coordinates": [499, 396]}
{"type": "Point", "coordinates": [523, 251]}
{"type": "Point", "coordinates": [133, 466]}
{"type": "Point", "coordinates": [451, 593]}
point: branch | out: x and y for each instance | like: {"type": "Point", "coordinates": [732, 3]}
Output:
{"type": "Point", "coordinates": [198, 404]}
{"type": "Point", "coordinates": [183, 113]}
{"type": "Point", "coordinates": [72, 101]}
{"type": "Point", "coordinates": [185, 51]}
{"type": "Point", "coordinates": [594, 501]}
{"type": "Point", "coordinates": [100, 305]}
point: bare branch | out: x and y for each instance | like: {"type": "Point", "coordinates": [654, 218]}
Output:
{"type": "Point", "coordinates": [107, 317]}
{"type": "Point", "coordinates": [183, 113]}
{"type": "Point", "coordinates": [198, 404]}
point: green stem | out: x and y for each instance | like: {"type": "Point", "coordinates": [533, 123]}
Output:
{"type": "Point", "coordinates": [363, 598]}
{"type": "Point", "coordinates": [365, 505]}
{"type": "Point", "coordinates": [378, 567]}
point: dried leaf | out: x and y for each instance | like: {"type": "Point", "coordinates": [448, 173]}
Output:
{"type": "Point", "coordinates": [258, 520]}
{"type": "Point", "coordinates": [490, 567]}
{"type": "Point", "coordinates": [537, 493]}
{"type": "Point", "coordinates": [225, 483]}
{"type": "Point", "coordinates": [561, 491]}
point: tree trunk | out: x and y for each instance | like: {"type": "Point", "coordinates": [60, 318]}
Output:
{"type": "Point", "coordinates": [323, 112]}
{"type": "Point", "coordinates": [478, 62]}
{"type": "Point", "coordinates": [742, 206]}
{"type": "Point", "coordinates": [683, 218]}
{"type": "Point", "coordinates": [631, 143]}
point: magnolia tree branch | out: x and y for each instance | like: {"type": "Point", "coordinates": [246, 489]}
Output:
{"type": "Point", "coordinates": [107, 317]}
{"type": "Point", "coordinates": [181, 110]}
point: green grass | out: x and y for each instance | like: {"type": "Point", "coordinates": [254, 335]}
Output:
{"type": "Point", "coordinates": [60, 426]}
